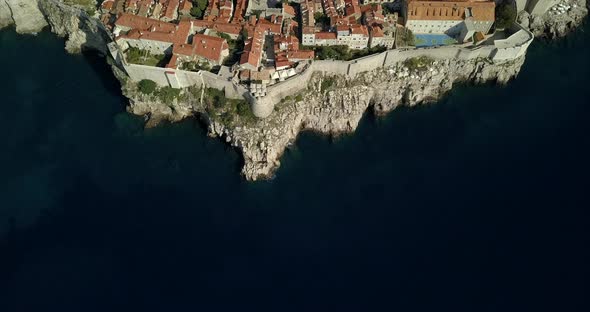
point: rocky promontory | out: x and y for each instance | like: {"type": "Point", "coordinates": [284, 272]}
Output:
{"type": "Point", "coordinates": [82, 31]}
{"type": "Point", "coordinates": [332, 104]}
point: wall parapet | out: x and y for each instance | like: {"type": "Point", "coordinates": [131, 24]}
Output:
{"type": "Point", "coordinates": [508, 49]}
{"type": "Point", "coordinates": [501, 50]}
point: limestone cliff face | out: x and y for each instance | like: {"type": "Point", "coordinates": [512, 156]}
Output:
{"type": "Point", "coordinates": [553, 25]}
{"type": "Point", "coordinates": [339, 110]}
{"type": "Point", "coordinates": [332, 105]}
{"type": "Point", "coordinates": [24, 14]}
{"type": "Point", "coordinates": [30, 16]}
{"type": "Point", "coordinates": [82, 31]}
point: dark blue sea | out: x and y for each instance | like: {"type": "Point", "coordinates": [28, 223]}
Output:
{"type": "Point", "coordinates": [476, 203]}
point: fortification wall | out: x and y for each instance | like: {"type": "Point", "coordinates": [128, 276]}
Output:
{"type": "Point", "coordinates": [140, 72]}
{"type": "Point", "coordinates": [539, 7]}
{"type": "Point", "coordinates": [179, 78]}
{"type": "Point", "coordinates": [366, 63]}
{"type": "Point", "coordinates": [505, 50]}
{"type": "Point", "coordinates": [330, 66]}
{"type": "Point", "coordinates": [511, 48]}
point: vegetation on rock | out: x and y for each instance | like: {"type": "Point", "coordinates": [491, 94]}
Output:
{"type": "Point", "coordinates": [418, 63]}
{"type": "Point", "coordinates": [227, 111]}
{"type": "Point", "coordinates": [87, 5]}
{"type": "Point", "coordinates": [147, 86]}
{"type": "Point", "coordinates": [167, 94]}
{"type": "Point", "coordinates": [327, 83]}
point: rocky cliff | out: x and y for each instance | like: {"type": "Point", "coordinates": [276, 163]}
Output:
{"type": "Point", "coordinates": [30, 16]}
{"type": "Point", "coordinates": [24, 14]}
{"type": "Point", "coordinates": [556, 22]}
{"type": "Point", "coordinates": [331, 105]}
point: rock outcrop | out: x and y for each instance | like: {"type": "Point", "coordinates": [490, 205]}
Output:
{"type": "Point", "coordinates": [24, 14]}
{"type": "Point", "coordinates": [558, 22]}
{"type": "Point", "coordinates": [31, 16]}
{"type": "Point", "coordinates": [332, 105]}
{"type": "Point", "coordinates": [83, 32]}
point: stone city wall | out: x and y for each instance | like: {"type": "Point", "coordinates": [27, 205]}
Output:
{"type": "Point", "coordinates": [507, 49]}
{"type": "Point", "coordinates": [502, 50]}
{"type": "Point", "coordinates": [176, 78]}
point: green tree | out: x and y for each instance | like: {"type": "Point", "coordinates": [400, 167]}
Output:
{"type": "Point", "coordinates": [224, 36]}
{"type": "Point", "coordinates": [147, 86]}
{"type": "Point", "coordinates": [198, 8]}
{"type": "Point", "coordinates": [321, 18]}
{"type": "Point", "coordinates": [505, 14]}
{"type": "Point", "coordinates": [201, 4]}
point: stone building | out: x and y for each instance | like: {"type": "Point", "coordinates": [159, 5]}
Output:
{"type": "Point", "coordinates": [382, 37]}
{"type": "Point", "coordinates": [455, 18]}
{"type": "Point", "coordinates": [204, 49]}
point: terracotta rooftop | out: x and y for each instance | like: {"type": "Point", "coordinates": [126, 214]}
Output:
{"type": "Point", "coordinates": [359, 30]}
{"type": "Point", "coordinates": [288, 9]}
{"type": "Point", "coordinates": [253, 48]}
{"type": "Point", "coordinates": [151, 29]}
{"type": "Point", "coordinates": [144, 23]}
{"type": "Point", "coordinates": [301, 54]}
{"type": "Point", "coordinates": [186, 6]}
{"type": "Point", "coordinates": [325, 35]}
{"type": "Point", "coordinates": [451, 10]}
{"type": "Point", "coordinates": [171, 9]}
{"type": "Point", "coordinates": [377, 32]}
{"type": "Point", "coordinates": [208, 47]}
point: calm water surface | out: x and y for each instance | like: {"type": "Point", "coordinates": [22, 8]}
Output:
{"type": "Point", "coordinates": [476, 203]}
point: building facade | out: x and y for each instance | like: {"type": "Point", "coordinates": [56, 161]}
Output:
{"type": "Point", "coordinates": [452, 18]}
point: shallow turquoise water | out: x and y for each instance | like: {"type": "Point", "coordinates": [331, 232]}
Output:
{"type": "Point", "coordinates": [475, 203]}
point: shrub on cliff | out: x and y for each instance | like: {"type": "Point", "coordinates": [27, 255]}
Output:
{"type": "Point", "coordinates": [327, 83]}
{"type": "Point", "coordinates": [168, 94]}
{"type": "Point", "coordinates": [215, 98]}
{"type": "Point", "coordinates": [147, 86]}
{"type": "Point", "coordinates": [419, 63]}
{"type": "Point", "coordinates": [243, 110]}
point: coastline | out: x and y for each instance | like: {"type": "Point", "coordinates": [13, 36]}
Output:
{"type": "Point", "coordinates": [334, 110]}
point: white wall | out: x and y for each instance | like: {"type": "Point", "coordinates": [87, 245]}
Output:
{"type": "Point", "coordinates": [539, 7]}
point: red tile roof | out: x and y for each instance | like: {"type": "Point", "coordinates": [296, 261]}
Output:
{"type": "Point", "coordinates": [151, 29]}
{"type": "Point", "coordinates": [108, 5]}
{"type": "Point", "coordinates": [359, 30]}
{"type": "Point", "coordinates": [186, 6]}
{"type": "Point", "coordinates": [308, 30]}
{"type": "Point", "coordinates": [481, 10]}
{"type": "Point", "coordinates": [144, 23]}
{"type": "Point", "coordinates": [204, 46]}
{"type": "Point", "coordinates": [301, 54]}
{"type": "Point", "coordinates": [325, 35]}
{"type": "Point", "coordinates": [253, 48]}
{"type": "Point", "coordinates": [171, 9]}
{"type": "Point", "coordinates": [288, 9]}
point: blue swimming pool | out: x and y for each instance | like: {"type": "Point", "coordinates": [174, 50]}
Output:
{"type": "Point", "coordinates": [430, 40]}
